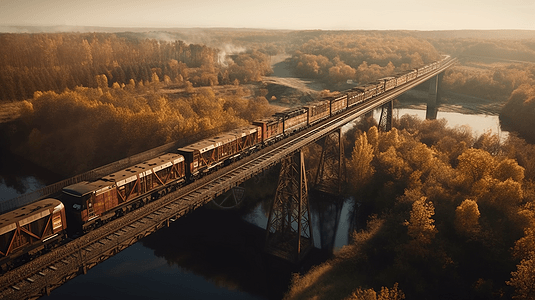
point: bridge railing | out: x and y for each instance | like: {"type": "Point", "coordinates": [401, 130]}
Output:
{"type": "Point", "coordinates": [30, 197]}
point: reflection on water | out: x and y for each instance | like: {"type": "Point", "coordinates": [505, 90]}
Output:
{"type": "Point", "coordinates": [19, 176]}
{"type": "Point", "coordinates": [479, 123]}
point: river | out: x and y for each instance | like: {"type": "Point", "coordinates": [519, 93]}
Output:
{"type": "Point", "coordinates": [210, 253]}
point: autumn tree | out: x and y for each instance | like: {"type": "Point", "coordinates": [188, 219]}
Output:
{"type": "Point", "coordinates": [467, 218]}
{"type": "Point", "coordinates": [474, 164]}
{"type": "Point", "coordinates": [421, 227]}
{"type": "Point", "coordinates": [361, 169]}
{"type": "Point", "coordinates": [523, 279]}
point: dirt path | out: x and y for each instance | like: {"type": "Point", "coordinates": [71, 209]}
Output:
{"type": "Point", "coordinates": [285, 88]}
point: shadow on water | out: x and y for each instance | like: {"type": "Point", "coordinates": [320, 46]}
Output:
{"type": "Point", "coordinates": [18, 175]}
{"type": "Point", "coordinates": [226, 249]}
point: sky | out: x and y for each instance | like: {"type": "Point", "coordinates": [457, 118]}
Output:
{"type": "Point", "coordinates": [275, 14]}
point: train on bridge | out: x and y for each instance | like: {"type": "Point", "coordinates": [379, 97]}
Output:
{"type": "Point", "coordinates": [29, 230]}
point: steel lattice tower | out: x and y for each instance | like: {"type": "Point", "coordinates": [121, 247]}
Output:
{"type": "Point", "coordinates": [332, 168]}
{"type": "Point", "coordinates": [385, 123]}
{"type": "Point", "coordinates": [289, 231]}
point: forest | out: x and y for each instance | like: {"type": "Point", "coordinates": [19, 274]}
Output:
{"type": "Point", "coordinates": [336, 58]}
{"type": "Point", "coordinates": [84, 123]}
{"type": "Point", "coordinates": [55, 62]}
{"type": "Point", "coordinates": [450, 216]}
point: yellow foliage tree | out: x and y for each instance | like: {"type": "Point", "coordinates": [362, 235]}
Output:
{"type": "Point", "coordinates": [361, 169]}
{"type": "Point", "coordinates": [467, 218]}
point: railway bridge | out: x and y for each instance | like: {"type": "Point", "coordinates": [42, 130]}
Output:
{"type": "Point", "coordinates": [41, 275]}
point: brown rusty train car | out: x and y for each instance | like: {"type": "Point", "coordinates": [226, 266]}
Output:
{"type": "Point", "coordinates": [388, 83]}
{"type": "Point", "coordinates": [272, 129]}
{"type": "Point", "coordinates": [338, 103]}
{"type": "Point", "coordinates": [30, 229]}
{"type": "Point", "coordinates": [317, 111]}
{"type": "Point", "coordinates": [89, 203]}
{"type": "Point", "coordinates": [211, 153]}
{"type": "Point", "coordinates": [294, 119]}
{"type": "Point", "coordinates": [369, 90]}
{"type": "Point", "coordinates": [354, 97]}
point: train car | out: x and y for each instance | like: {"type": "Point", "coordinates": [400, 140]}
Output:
{"type": "Point", "coordinates": [388, 83]}
{"type": "Point", "coordinates": [205, 155]}
{"type": "Point", "coordinates": [412, 74]}
{"type": "Point", "coordinates": [423, 70]}
{"type": "Point", "coordinates": [91, 202]}
{"type": "Point", "coordinates": [338, 103]}
{"type": "Point", "coordinates": [369, 90]}
{"type": "Point", "coordinates": [294, 119]}
{"type": "Point", "coordinates": [318, 111]}
{"type": "Point", "coordinates": [380, 87]}
{"type": "Point", "coordinates": [401, 78]}
{"type": "Point", "coordinates": [248, 138]}
{"type": "Point", "coordinates": [354, 97]}
{"type": "Point", "coordinates": [30, 229]}
{"type": "Point", "coordinates": [272, 129]}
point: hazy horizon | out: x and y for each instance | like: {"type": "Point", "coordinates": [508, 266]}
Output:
{"type": "Point", "coordinates": [276, 14]}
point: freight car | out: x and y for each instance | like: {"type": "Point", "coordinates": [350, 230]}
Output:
{"type": "Point", "coordinates": [272, 129]}
{"type": "Point", "coordinates": [208, 154]}
{"type": "Point", "coordinates": [293, 119]}
{"type": "Point", "coordinates": [91, 203]}
{"type": "Point", "coordinates": [388, 83]}
{"type": "Point", "coordinates": [354, 97]}
{"type": "Point", "coordinates": [28, 230]}
{"type": "Point", "coordinates": [317, 111]}
{"type": "Point", "coordinates": [369, 90]}
{"type": "Point", "coordinates": [338, 104]}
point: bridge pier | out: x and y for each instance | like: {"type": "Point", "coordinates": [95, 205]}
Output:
{"type": "Point", "coordinates": [385, 123]}
{"type": "Point", "coordinates": [289, 228]}
{"type": "Point", "coordinates": [433, 99]}
{"type": "Point", "coordinates": [331, 171]}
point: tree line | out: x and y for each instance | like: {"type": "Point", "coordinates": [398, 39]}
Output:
{"type": "Point", "coordinates": [360, 56]}
{"type": "Point", "coordinates": [450, 216]}
{"type": "Point", "coordinates": [80, 129]}
{"type": "Point", "coordinates": [493, 83]}
{"type": "Point", "coordinates": [54, 62]}
{"type": "Point", "coordinates": [506, 49]}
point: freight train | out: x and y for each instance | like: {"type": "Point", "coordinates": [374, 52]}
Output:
{"type": "Point", "coordinates": [31, 229]}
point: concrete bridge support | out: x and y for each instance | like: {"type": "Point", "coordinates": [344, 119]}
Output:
{"type": "Point", "coordinates": [331, 172]}
{"type": "Point", "coordinates": [433, 99]}
{"type": "Point", "coordinates": [289, 228]}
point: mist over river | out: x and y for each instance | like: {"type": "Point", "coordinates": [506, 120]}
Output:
{"type": "Point", "coordinates": [212, 254]}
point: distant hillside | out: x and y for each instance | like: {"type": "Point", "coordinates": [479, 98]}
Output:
{"type": "Point", "coordinates": [478, 34]}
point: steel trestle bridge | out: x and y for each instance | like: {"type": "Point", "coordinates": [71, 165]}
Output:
{"type": "Point", "coordinates": [41, 275]}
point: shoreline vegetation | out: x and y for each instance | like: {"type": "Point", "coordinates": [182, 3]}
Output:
{"type": "Point", "coordinates": [450, 215]}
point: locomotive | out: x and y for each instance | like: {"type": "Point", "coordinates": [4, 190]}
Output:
{"type": "Point", "coordinates": [41, 225]}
